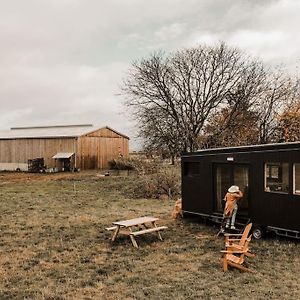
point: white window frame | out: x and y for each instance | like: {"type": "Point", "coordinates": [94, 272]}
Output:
{"type": "Point", "coordinates": [294, 179]}
{"type": "Point", "coordinates": [265, 177]}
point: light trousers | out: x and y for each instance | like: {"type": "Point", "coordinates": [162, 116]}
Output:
{"type": "Point", "coordinates": [233, 217]}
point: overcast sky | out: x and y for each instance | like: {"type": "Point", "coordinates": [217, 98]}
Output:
{"type": "Point", "coordinates": [62, 61]}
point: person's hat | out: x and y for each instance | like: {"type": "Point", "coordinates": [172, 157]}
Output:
{"type": "Point", "coordinates": [233, 189]}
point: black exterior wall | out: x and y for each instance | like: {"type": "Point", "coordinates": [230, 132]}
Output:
{"type": "Point", "coordinates": [265, 208]}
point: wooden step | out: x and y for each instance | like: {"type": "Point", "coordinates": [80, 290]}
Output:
{"type": "Point", "coordinates": [148, 230]}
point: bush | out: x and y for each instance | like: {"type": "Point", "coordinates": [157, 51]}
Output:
{"type": "Point", "coordinates": [121, 164]}
{"type": "Point", "coordinates": [166, 181]}
{"type": "Point", "coordinates": [142, 166]}
{"type": "Point", "coordinates": [146, 166]}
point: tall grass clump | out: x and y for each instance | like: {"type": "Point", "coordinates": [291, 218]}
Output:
{"type": "Point", "coordinates": [163, 182]}
{"type": "Point", "coordinates": [121, 164]}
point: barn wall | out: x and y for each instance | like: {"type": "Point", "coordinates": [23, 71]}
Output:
{"type": "Point", "coordinates": [94, 149]}
{"type": "Point", "coordinates": [104, 132]}
{"type": "Point", "coordinates": [94, 152]}
{"type": "Point", "coordinates": [20, 150]}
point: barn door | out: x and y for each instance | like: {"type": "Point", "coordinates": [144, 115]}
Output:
{"type": "Point", "coordinates": [226, 175]}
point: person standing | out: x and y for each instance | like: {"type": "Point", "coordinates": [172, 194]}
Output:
{"type": "Point", "coordinates": [232, 196]}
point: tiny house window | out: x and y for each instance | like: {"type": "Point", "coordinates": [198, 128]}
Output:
{"type": "Point", "coordinates": [297, 179]}
{"type": "Point", "coordinates": [277, 177]}
{"type": "Point", "coordinates": [192, 169]}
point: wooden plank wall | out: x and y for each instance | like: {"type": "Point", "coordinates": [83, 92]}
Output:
{"type": "Point", "coordinates": [94, 149]}
{"type": "Point", "coordinates": [95, 152]}
{"type": "Point", "coordinates": [97, 148]}
{"type": "Point", "coordinates": [20, 150]}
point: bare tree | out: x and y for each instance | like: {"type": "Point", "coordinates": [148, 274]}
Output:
{"type": "Point", "coordinates": [231, 128]}
{"type": "Point", "coordinates": [255, 121]}
{"type": "Point", "coordinates": [159, 134]}
{"type": "Point", "coordinates": [278, 95]}
{"type": "Point", "coordinates": [175, 96]}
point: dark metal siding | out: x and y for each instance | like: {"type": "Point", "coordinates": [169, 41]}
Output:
{"type": "Point", "coordinates": [196, 188]}
{"type": "Point", "coordinates": [265, 208]}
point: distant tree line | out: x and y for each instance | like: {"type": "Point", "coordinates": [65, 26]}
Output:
{"type": "Point", "coordinates": [210, 96]}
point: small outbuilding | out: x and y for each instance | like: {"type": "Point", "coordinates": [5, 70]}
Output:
{"type": "Point", "coordinates": [268, 175]}
{"type": "Point", "coordinates": [62, 147]}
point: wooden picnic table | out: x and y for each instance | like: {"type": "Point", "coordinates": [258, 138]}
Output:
{"type": "Point", "coordinates": [136, 227]}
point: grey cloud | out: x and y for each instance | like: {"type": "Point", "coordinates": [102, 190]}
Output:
{"type": "Point", "coordinates": [62, 61]}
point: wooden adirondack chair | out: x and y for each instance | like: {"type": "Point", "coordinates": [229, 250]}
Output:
{"type": "Point", "coordinates": [236, 258]}
{"type": "Point", "coordinates": [234, 241]}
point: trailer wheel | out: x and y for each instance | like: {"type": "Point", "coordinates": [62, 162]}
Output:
{"type": "Point", "coordinates": [257, 232]}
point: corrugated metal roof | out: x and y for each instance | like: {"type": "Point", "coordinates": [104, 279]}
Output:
{"type": "Point", "coordinates": [63, 155]}
{"type": "Point", "coordinates": [49, 131]}
{"type": "Point", "coordinates": [46, 132]}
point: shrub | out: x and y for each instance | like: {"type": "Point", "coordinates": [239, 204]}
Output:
{"type": "Point", "coordinates": [142, 166]}
{"type": "Point", "coordinates": [121, 164]}
{"type": "Point", "coordinates": [166, 181]}
{"type": "Point", "coordinates": [146, 166]}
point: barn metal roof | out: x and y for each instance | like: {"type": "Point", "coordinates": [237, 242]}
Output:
{"type": "Point", "coordinates": [50, 131]}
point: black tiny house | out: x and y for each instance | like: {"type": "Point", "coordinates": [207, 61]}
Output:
{"type": "Point", "coordinates": [268, 175]}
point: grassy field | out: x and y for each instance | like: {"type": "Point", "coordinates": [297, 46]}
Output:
{"type": "Point", "coordinates": [54, 246]}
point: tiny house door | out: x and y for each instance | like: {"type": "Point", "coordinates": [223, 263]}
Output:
{"type": "Point", "coordinates": [222, 179]}
{"type": "Point", "coordinates": [226, 175]}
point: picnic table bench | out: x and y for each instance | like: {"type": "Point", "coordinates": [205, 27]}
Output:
{"type": "Point", "coordinates": [136, 227]}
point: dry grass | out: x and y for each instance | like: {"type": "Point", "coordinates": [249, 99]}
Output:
{"type": "Point", "coordinates": [54, 246]}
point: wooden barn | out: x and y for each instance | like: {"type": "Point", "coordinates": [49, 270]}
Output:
{"type": "Point", "coordinates": [61, 147]}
